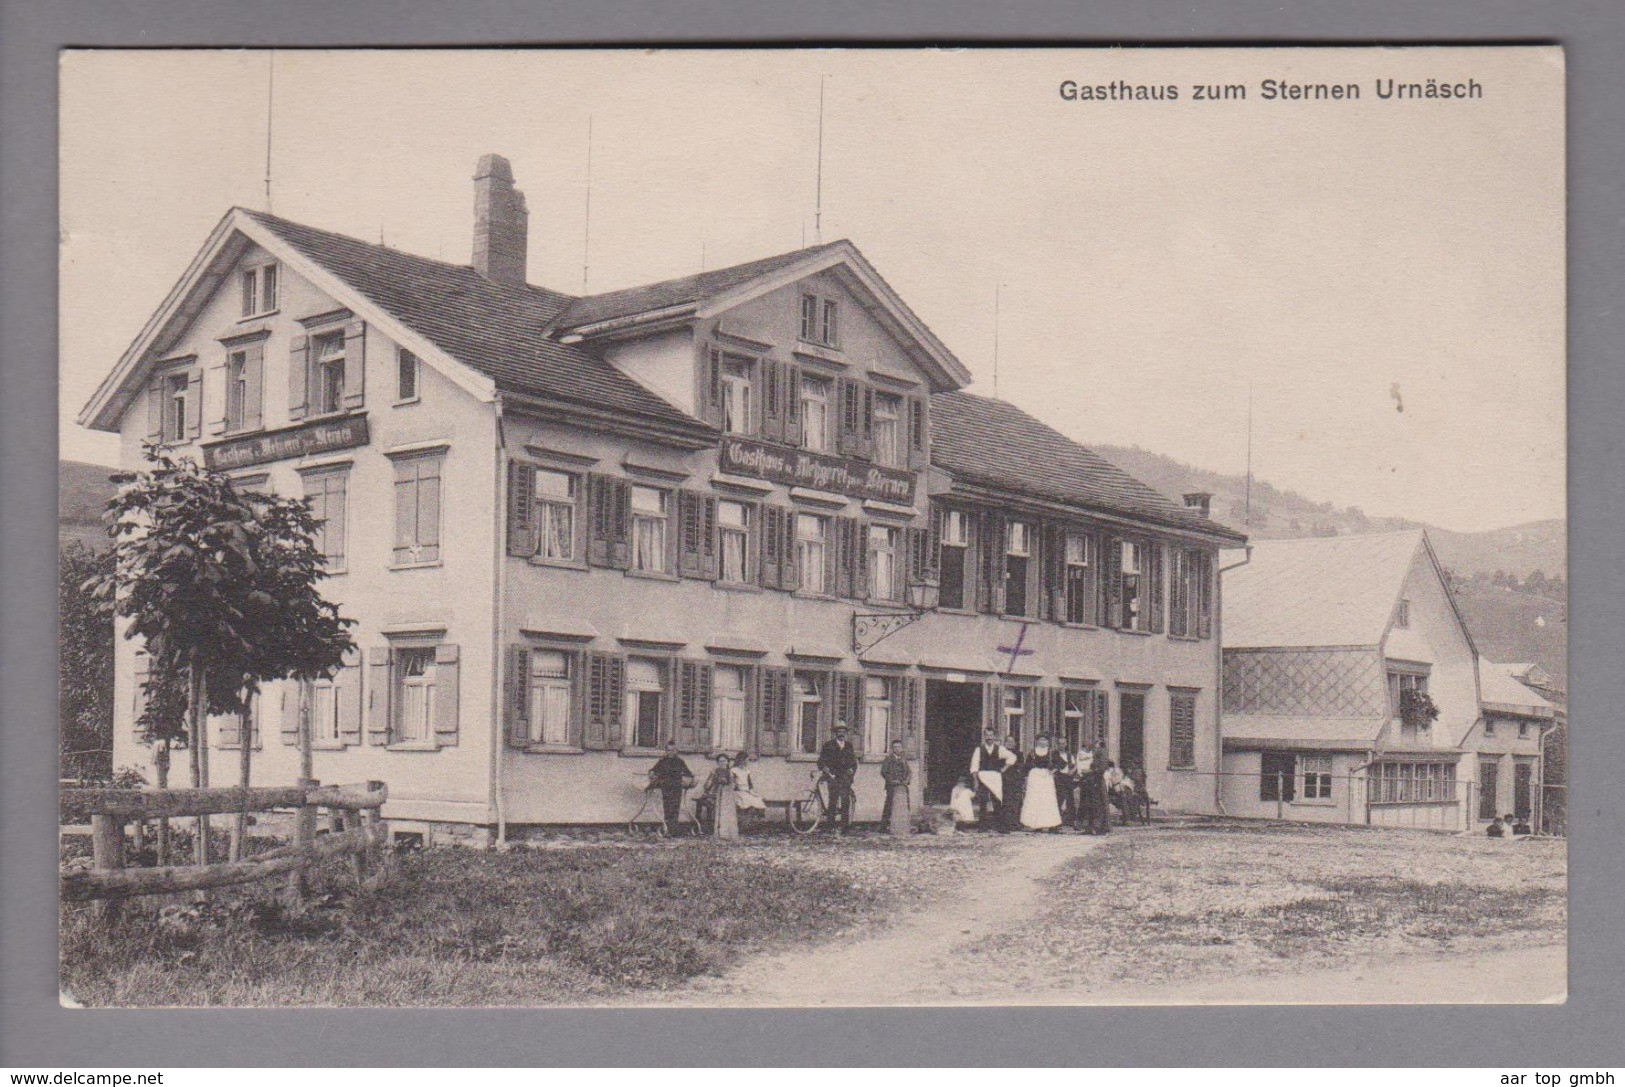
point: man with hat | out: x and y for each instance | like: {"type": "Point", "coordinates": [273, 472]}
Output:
{"type": "Point", "coordinates": [838, 762]}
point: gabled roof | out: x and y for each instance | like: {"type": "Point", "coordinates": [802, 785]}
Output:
{"type": "Point", "coordinates": [710, 293]}
{"type": "Point", "coordinates": [498, 330]}
{"type": "Point", "coordinates": [1500, 687]}
{"type": "Point", "coordinates": [997, 445]}
{"type": "Point", "coordinates": [1333, 590]}
{"type": "Point", "coordinates": [649, 297]}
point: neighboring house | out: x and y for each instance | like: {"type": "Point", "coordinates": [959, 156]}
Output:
{"type": "Point", "coordinates": [1327, 641]}
{"type": "Point", "coordinates": [704, 510]}
{"type": "Point", "coordinates": [1509, 742]}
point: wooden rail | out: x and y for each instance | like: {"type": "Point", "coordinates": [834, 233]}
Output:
{"type": "Point", "coordinates": [355, 829]}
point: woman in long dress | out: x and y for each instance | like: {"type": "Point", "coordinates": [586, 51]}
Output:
{"type": "Point", "coordinates": [1040, 809]}
{"type": "Point", "coordinates": [746, 798]}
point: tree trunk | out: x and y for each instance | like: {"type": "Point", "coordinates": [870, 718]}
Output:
{"type": "Point", "coordinates": [197, 736]}
{"type": "Point", "coordinates": [239, 837]}
{"type": "Point", "coordinates": [307, 756]}
{"type": "Point", "coordinates": [161, 765]}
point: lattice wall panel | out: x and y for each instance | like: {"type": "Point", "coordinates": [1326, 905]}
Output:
{"type": "Point", "coordinates": [1330, 682]}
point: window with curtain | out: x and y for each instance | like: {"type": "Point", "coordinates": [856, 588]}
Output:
{"type": "Point", "coordinates": [645, 699]}
{"type": "Point", "coordinates": [877, 713]}
{"type": "Point", "coordinates": [415, 719]}
{"type": "Point", "coordinates": [736, 395]}
{"type": "Point", "coordinates": [888, 431]}
{"type": "Point", "coordinates": [1080, 578]}
{"type": "Point", "coordinates": [556, 515]}
{"type": "Point", "coordinates": [329, 386]}
{"type": "Point", "coordinates": [815, 395]}
{"type": "Point", "coordinates": [728, 702]}
{"type": "Point", "coordinates": [733, 530]}
{"type": "Point", "coordinates": [649, 520]}
{"type": "Point", "coordinates": [884, 583]}
{"type": "Point", "coordinates": [324, 712]}
{"type": "Point", "coordinates": [812, 551]}
{"type": "Point", "coordinates": [550, 696]}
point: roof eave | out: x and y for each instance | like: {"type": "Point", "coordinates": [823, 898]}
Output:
{"type": "Point", "coordinates": [993, 492]}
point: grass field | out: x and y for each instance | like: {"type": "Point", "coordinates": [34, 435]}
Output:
{"type": "Point", "coordinates": [1250, 898]}
{"type": "Point", "coordinates": [452, 927]}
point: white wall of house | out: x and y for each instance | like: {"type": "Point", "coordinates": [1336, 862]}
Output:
{"type": "Point", "coordinates": [1505, 742]}
{"type": "Point", "coordinates": [1243, 791]}
{"type": "Point", "coordinates": [449, 602]}
{"type": "Point", "coordinates": [663, 362]}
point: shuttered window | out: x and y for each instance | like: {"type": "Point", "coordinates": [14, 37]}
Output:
{"type": "Point", "coordinates": [885, 567]}
{"type": "Point", "coordinates": [329, 503]}
{"type": "Point", "coordinates": [417, 509]}
{"type": "Point", "coordinates": [730, 687]}
{"type": "Point", "coordinates": [735, 392]}
{"type": "Point", "coordinates": [650, 518]}
{"type": "Point", "coordinates": [735, 524]}
{"type": "Point", "coordinates": [814, 401]}
{"type": "Point", "coordinates": [1079, 574]}
{"type": "Point", "coordinates": [555, 515]}
{"type": "Point", "coordinates": [953, 557]}
{"type": "Point", "coordinates": [812, 553]}
{"type": "Point", "coordinates": [808, 695]}
{"type": "Point", "coordinates": [645, 709]}
{"type": "Point", "coordinates": [1182, 730]}
{"type": "Point", "coordinates": [414, 723]}
{"type": "Point", "coordinates": [550, 696]}
{"type": "Point", "coordinates": [879, 708]}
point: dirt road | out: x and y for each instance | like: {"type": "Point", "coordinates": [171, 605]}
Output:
{"type": "Point", "coordinates": [917, 959]}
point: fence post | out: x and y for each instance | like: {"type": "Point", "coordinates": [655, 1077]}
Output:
{"type": "Point", "coordinates": [107, 854]}
{"type": "Point", "coordinates": [304, 833]}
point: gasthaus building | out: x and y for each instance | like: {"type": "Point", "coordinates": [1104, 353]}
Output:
{"type": "Point", "coordinates": [729, 509]}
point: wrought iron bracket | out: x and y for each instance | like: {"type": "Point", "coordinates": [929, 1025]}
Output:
{"type": "Point", "coordinates": [871, 628]}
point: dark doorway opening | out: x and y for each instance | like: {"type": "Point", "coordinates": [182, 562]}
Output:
{"type": "Point", "coordinates": [953, 728]}
{"type": "Point", "coordinates": [1131, 730]}
{"type": "Point", "coordinates": [1523, 790]}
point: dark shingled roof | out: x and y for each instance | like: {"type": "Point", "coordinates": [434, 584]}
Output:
{"type": "Point", "coordinates": [995, 444]}
{"type": "Point", "coordinates": [496, 329]}
{"type": "Point", "coordinates": [677, 292]}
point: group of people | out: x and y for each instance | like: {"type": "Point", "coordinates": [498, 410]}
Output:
{"type": "Point", "coordinates": [729, 797]}
{"type": "Point", "coordinates": [1045, 789]}
{"type": "Point", "coordinates": [1508, 826]}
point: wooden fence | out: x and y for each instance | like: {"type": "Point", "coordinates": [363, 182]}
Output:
{"type": "Point", "coordinates": [354, 828]}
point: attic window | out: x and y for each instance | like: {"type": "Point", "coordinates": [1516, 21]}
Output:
{"type": "Point", "coordinates": [407, 376]}
{"type": "Point", "coordinates": [1402, 615]}
{"type": "Point", "coordinates": [820, 320]}
{"type": "Point", "coordinates": [259, 290]}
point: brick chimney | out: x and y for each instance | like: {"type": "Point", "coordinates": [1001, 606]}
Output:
{"type": "Point", "coordinates": [1199, 502]}
{"type": "Point", "coordinates": [500, 220]}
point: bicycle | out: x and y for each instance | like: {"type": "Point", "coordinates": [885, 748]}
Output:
{"type": "Point", "coordinates": [808, 812]}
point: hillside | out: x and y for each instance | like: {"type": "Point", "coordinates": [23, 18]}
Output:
{"type": "Point", "coordinates": [82, 494]}
{"type": "Point", "coordinates": [1519, 550]}
{"type": "Point", "coordinates": [1511, 626]}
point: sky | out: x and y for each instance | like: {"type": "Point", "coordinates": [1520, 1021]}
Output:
{"type": "Point", "coordinates": [1383, 278]}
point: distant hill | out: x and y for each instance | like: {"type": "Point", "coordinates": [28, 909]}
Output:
{"type": "Point", "coordinates": [1511, 626]}
{"type": "Point", "coordinates": [1276, 514]}
{"type": "Point", "coordinates": [82, 494]}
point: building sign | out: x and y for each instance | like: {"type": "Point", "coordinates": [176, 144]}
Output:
{"type": "Point", "coordinates": [322, 436]}
{"type": "Point", "coordinates": [820, 471]}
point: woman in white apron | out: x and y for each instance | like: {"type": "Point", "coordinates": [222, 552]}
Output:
{"type": "Point", "coordinates": [1040, 809]}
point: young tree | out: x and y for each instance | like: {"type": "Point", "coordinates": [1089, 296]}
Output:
{"type": "Point", "coordinates": [221, 585]}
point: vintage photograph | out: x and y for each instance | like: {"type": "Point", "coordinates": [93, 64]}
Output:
{"type": "Point", "coordinates": [813, 527]}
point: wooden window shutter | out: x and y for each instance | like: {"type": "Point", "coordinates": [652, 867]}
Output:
{"type": "Point", "coordinates": [849, 395]}
{"type": "Point", "coordinates": [769, 566]}
{"type": "Point", "coordinates": [521, 509]}
{"type": "Point", "coordinates": [598, 520]}
{"type": "Point", "coordinates": [918, 439]}
{"type": "Point", "coordinates": [155, 411]}
{"type": "Point", "coordinates": [773, 711]}
{"type": "Point", "coordinates": [771, 395]}
{"type": "Point", "coordinates": [1111, 580]}
{"type": "Point", "coordinates": [993, 709]}
{"type": "Point", "coordinates": [1157, 595]}
{"type": "Point", "coordinates": [914, 543]}
{"type": "Point", "coordinates": [355, 364]}
{"type": "Point", "coordinates": [789, 565]}
{"type": "Point", "coordinates": [620, 521]}
{"type": "Point", "coordinates": [1102, 714]}
{"type": "Point", "coordinates": [298, 377]}
{"type": "Point", "coordinates": [194, 403]}
{"type": "Point", "coordinates": [693, 705]}
{"type": "Point", "coordinates": [866, 436]}
{"type": "Point", "coordinates": [1051, 553]}
{"type": "Point", "coordinates": [1204, 595]}
{"type": "Point", "coordinates": [790, 389]}
{"type": "Point", "coordinates": [288, 722]}
{"type": "Point", "coordinates": [217, 402]}
{"type": "Point", "coordinates": [841, 531]}
{"type": "Point", "coordinates": [380, 682]}
{"type": "Point", "coordinates": [860, 559]}
{"type": "Point", "coordinates": [516, 696]}
{"type": "Point", "coordinates": [710, 560]}
{"type": "Point", "coordinates": [231, 729]}
{"type": "Point", "coordinates": [712, 398]}
{"type": "Point", "coordinates": [445, 694]}
{"type": "Point", "coordinates": [347, 690]}
{"type": "Point", "coordinates": [606, 687]}
{"type": "Point", "coordinates": [687, 510]}
{"type": "Point", "coordinates": [254, 386]}
{"type": "Point", "coordinates": [993, 567]}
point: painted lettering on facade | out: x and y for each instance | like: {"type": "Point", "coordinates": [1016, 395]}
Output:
{"type": "Point", "coordinates": [820, 471]}
{"type": "Point", "coordinates": [322, 436]}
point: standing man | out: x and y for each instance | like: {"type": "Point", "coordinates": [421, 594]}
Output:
{"type": "Point", "coordinates": [672, 777]}
{"type": "Point", "coordinates": [987, 766]}
{"type": "Point", "coordinates": [1015, 783]}
{"type": "Point", "coordinates": [838, 762]}
{"type": "Point", "coordinates": [897, 774]}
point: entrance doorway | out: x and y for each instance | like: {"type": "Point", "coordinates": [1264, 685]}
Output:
{"type": "Point", "coordinates": [953, 728]}
{"type": "Point", "coordinates": [1131, 730]}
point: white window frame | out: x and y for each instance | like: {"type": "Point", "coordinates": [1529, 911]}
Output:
{"type": "Point", "coordinates": [236, 374]}
{"type": "Point", "coordinates": [737, 410]}
{"type": "Point", "coordinates": [547, 688]}
{"type": "Point", "coordinates": [740, 531]}
{"type": "Point", "coordinates": [728, 735]}
{"type": "Point", "coordinates": [548, 504]}
{"type": "Point", "coordinates": [884, 565]}
{"type": "Point", "coordinates": [1315, 780]}
{"type": "Point", "coordinates": [653, 527]}
{"type": "Point", "coordinates": [877, 713]}
{"type": "Point", "coordinates": [405, 684]}
{"type": "Point", "coordinates": [1131, 566]}
{"type": "Point", "coordinates": [324, 720]}
{"type": "Point", "coordinates": [1013, 712]}
{"type": "Point", "coordinates": [815, 391]}
{"type": "Point", "coordinates": [178, 406]}
{"type": "Point", "coordinates": [327, 398]}
{"type": "Point", "coordinates": [956, 535]}
{"type": "Point", "coordinates": [808, 701]}
{"type": "Point", "coordinates": [1085, 561]}
{"type": "Point", "coordinates": [259, 286]}
{"type": "Point", "coordinates": [810, 547]}
{"type": "Point", "coordinates": [636, 690]}
{"type": "Point", "coordinates": [888, 420]}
